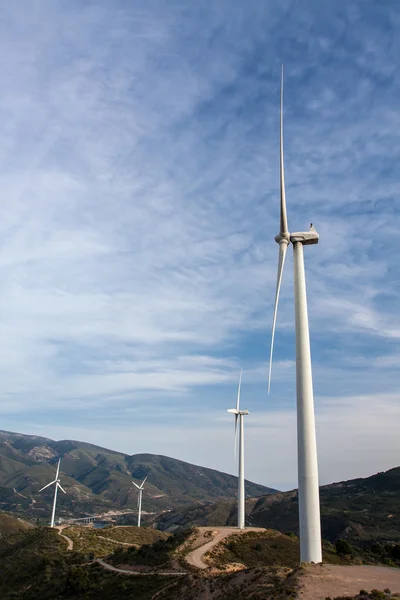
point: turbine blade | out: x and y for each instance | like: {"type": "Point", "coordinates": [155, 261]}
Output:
{"type": "Point", "coordinates": [283, 215]}
{"type": "Point", "coordinates": [144, 481]}
{"type": "Point", "coordinates": [61, 488]}
{"type": "Point", "coordinates": [46, 486]}
{"type": "Point", "coordinates": [281, 262]}
{"type": "Point", "coordinates": [58, 468]}
{"type": "Point", "coordinates": [136, 485]}
{"type": "Point", "coordinates": [238, 394]}
{"type": "Point", "coordinates": [232, 410]}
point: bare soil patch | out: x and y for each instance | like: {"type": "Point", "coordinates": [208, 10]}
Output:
{"type": "Point", "coordinates": [316, 582]}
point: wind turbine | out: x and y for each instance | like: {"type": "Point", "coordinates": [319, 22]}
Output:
{"type": "Point", "coordinates": [239, 414]}
{"type": "Point", "coordinates": [140, 488]}
{"type": "Point", "coordinates": [309, 507]}
{"type": "Point", "coordinates": [58, 485]}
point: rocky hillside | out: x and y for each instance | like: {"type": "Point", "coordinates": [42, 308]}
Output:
{"type": "Point", "coordinates": [358, 509]}
{"type": "Point", "coordinates": [97, 479]}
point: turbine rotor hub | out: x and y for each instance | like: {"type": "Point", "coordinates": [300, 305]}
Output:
{"type": "Point", "coordinates": [283, 237]}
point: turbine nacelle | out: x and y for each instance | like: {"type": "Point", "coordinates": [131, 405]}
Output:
{"type": "Point", "coordinates": [305, 237]}
{"type": "Point", "coordinates": [141, 486]}
{"type": "Point", "coordinates": [238, 412]}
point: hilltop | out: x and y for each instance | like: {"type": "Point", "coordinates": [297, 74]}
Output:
{"type": "Point", "coordinates": [99, 480]}
{"type": "Point", "coordinates": [359, 510]}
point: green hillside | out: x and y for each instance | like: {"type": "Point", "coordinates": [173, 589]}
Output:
{"type": "Point", "coordinates": [358, 510]}
{"type": "Point", "coordinates": [99, 480]}
{"type": "Point", "coordinates": [35, 565]}
{"type": "Point", "coordinates": [11, 529]}
{"type": "Point", "coordinates": [102, 542]}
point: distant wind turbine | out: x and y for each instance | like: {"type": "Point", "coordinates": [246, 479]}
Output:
{"type": "Point", "coordinates": [239, 414]}
{"type": "Point", "coordinates": [57, 485]}
{"type": "Point", "coordinates": [309, 508]}
{"type": "Point", "coordinates": [139, 504]}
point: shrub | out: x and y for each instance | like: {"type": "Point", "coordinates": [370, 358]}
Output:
{"type": "Point", "coordinates": [343, 548]}
{"type": "Point", "coordinates": [377, 595]}
{"type": "Point", "coordinates": [395, 552]}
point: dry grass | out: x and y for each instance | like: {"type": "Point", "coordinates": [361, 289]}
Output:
{"type": "Point", "coordinates": [255, 549]}
{"type": "Point", "coordinates": [134, 535]}
{"type": "Point", "coordinates": [102, 542]}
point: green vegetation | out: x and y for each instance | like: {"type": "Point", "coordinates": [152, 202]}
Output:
{"type": "Point", "coordinates": [134, 535]}
{"type": "Point", "coordinates": [203, 515]}
{"type": "Point", "coordinates": [98, 480]}
{"type": "Point", "coordinates": [101, 542]}
{"type": "Point", "coordinates": [360, 511]}
{"type": "Point", "coordinates": [30, 559]}
{"type": "Point", "coordinates": [265, 549]}
{"type": "Point", "coordinates": [255, 584]}
{"type": "Point", "coordinates": [162, 553]}
{"type": "Point", "coordinates": [372, 595]}
{"type": "Point", "coordinates": [256, 549]}
{"type": "Point", "coordinates": [9, 525]}
{"type": "Point", "coordinates": [11, 530]}
{"type": "Point", "coordinates": [88, 542]}
{"type": "Point", "coordinates": [36, 565]}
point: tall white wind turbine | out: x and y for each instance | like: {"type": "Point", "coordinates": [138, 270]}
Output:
{"type": "Point", "coordinates": [309, 508]}
{"type": "Point", "coordinates": [57, 485]}
{"type": "Point", "coordinates": [239, 414]}
{"type": "Point", "coordinates": [139, 504]}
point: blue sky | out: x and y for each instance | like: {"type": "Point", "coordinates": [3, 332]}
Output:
{"type": "Point", "coordinates": [139, 172]}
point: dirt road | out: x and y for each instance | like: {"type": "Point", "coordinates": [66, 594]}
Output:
{"type": "Point", "coordinates": [142, 573]}
{"type": "Point", "coordinates": [66, 538]}
{"type": "Point", "coordinates": [195, 558]}
{"type": "Point", "coordinates": [318, 581]}
{"type": "Point", "coordinates": [103, 537]}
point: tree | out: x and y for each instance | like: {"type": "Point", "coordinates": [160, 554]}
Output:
{"type": "Point", "coordinates": [343, 548]}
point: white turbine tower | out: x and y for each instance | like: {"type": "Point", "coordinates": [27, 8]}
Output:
{"type": "Point", "coordinates": [139, 504]}
{"type": "Point", "coordinates": [57, 485]}
{"type": "Point", "coordinates": [239, 414]}
{"type": "Point", "coordinates": [309, 508]}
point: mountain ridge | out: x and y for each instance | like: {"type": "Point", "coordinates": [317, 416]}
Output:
{"type": "Point", "coordinates": [98, 479]}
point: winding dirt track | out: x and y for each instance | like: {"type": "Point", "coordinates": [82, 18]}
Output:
{"type": "Point", "coordinates": [103, 537]}
{"type": "Point", "coordinates": [195, 558]}
{"type": "Point", "coordinates": [66, 538]}
{"type": "Point", "coordinates": [141, 573]}
{"type": "Point", "coordinates": [321, 581]}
